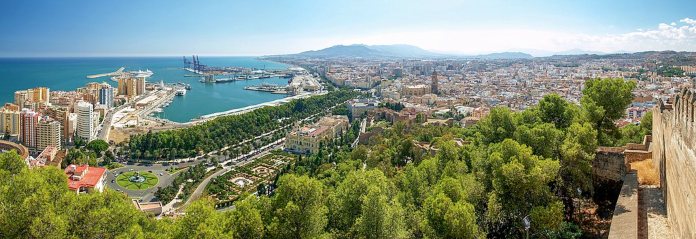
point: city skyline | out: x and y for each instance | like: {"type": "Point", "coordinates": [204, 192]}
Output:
{"type": "Point", "coordinates": [160, 28]}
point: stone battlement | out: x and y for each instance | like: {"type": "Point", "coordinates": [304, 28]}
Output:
{"type": "Point", "coordinates": [674, 155]}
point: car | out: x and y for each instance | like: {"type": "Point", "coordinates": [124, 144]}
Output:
{"type": "Point", "coordinates": [149, 171]}
{"type": "Point", "coordinates": [130, 169]}
{"type": "Point", "coordinates": [161, 174]}
{"type": "Point", "coordinates": [112, 181]}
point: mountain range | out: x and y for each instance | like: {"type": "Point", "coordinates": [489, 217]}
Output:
{"type": "Point", "coordinates": [410, 51]}
{"type": "Point", "coordinates": [396, 51]}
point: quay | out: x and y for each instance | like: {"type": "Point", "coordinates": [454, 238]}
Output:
{"type": "Point", "coordinates": [115, 73]}
{"type": "Point", "coordinates": [273, 89]}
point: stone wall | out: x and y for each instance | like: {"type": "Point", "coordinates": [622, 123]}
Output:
{"type": "Point", "coordinates": [609, 164]}
{"type": "Point", "coordinates": [624, 223]}
{"type": "Point", "coordinates": [674, 155]}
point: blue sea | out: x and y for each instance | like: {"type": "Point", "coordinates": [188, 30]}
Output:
{"type": "Point", "coordinates": [70, 73]}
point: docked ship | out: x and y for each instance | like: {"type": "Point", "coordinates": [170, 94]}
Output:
{"type": "Point", "coordinates": [141, 74]}
{"type": "Point", "coordinates": [180, 92]}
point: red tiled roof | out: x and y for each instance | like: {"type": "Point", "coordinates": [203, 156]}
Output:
{"type": "Point", "coordinates": [318, 131]}
{"type": "Point", "coordinates": [90, 176]}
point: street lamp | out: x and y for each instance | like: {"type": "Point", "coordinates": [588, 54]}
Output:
{"type": "Point", "coordinates": [527, 224]}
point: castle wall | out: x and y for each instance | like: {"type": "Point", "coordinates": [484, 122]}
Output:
{"type": "Point", "coordinates": [609, 164]}
{"type": "Point", "coordinates": [674, 154]}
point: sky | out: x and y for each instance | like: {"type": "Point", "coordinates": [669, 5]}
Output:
{"type": "Point", "coordinates": [52, 28]}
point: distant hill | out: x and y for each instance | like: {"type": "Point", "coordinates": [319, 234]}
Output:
{"type": "Point", "coordinates": [396, 51]}
{"type": "Point", "coordinates": [368, 51]}
{"type": "Point", "coordinates": [505, 55]}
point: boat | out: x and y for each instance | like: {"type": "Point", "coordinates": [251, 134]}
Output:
{"type": "Point", "coordinates": [141, 74]}
{"type": "Point", "coordinates": [181, 92]}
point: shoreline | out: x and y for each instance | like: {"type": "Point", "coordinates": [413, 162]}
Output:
{"type": "Point", "coordinates": [245, 109]}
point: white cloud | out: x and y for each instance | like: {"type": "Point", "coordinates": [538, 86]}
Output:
{"type": "Point", "coordinates": [688, 21]}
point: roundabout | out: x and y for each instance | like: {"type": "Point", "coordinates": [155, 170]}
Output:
{"type": "Point", "coordinates": [137, 180]}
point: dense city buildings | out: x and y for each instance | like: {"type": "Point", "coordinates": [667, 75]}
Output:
{"type": "Point", "coordinates": [32, 98]}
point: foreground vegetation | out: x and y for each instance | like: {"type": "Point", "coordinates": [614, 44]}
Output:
{"type": "Point", "coordinates": [532, 164]}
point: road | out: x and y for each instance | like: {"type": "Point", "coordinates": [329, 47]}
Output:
{"type": "Point", "coordinates": [105, 126]}
{"type": "Point", "coordinates": [145, 195]}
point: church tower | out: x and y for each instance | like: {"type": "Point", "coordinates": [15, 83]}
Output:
{"type": "Point", "coordinates": [434, 85]}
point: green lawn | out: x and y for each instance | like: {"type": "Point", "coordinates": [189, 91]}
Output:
{"type": "Point", "coordinates": [150, 181]}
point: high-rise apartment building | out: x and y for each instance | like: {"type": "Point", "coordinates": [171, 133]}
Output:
{"type": "Point", "coordinates": [9, 121]}
{"type": "Point", "coordinates": [85, 121]}
{"type": "Point", "coordinates": [122, 86]}
{"type": "Point", "coordinates": [106, 95]}
{"type": "Point", "coordinates": [28, 126]}
{"type": "Point", "coordinates": [48, 133]}
{"type": "Point", "coordinates": [131, 86]}
{"type": "Point", "coordinates": [139, 85]}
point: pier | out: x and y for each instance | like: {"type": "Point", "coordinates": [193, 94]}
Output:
{"type": "Point", "coordinates": [274, 89]}
{"type": "Point", "coordinates": [115, 73]}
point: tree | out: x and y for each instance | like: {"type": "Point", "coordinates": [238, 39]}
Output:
{"type": "Point", "coordinates": [519, 181]}
{"type": "Point", "coordinates": [604, 101]}
{"type": "Point", "coordinates": [201, 221]}
{"type": "Point", "coordinates": [554, 109]}
{"type": "Point", "coordinates": [544, 139]}
{"type": "Point", "coordinates": [448, 219]}
{"type": "Point", "coordinates": [497, 126]}
{"type": "Point", "coordinates": [379, 218]}
{"type": "Point", "coordinates": [299, 210]}
{"type": "Point", "coordinates": [578, 151]}
{"type": "Point", "coordinates": [246, 219]}
{"type": "Point", "coordinates": [11, 162]}
{"type": "Point", "coordinates": [347, 201]}
{"type": "Point", "coordinates": [98, 146]}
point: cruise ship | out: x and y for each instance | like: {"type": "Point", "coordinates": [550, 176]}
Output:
{"type": "Point", "coordinates": [141, 74]}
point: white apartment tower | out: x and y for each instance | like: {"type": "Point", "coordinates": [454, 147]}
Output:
{"type": "Point", "coordinates": [85, 121]}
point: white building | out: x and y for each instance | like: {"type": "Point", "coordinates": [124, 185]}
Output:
{"type": "Point", "coordinates": [85, 121]}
